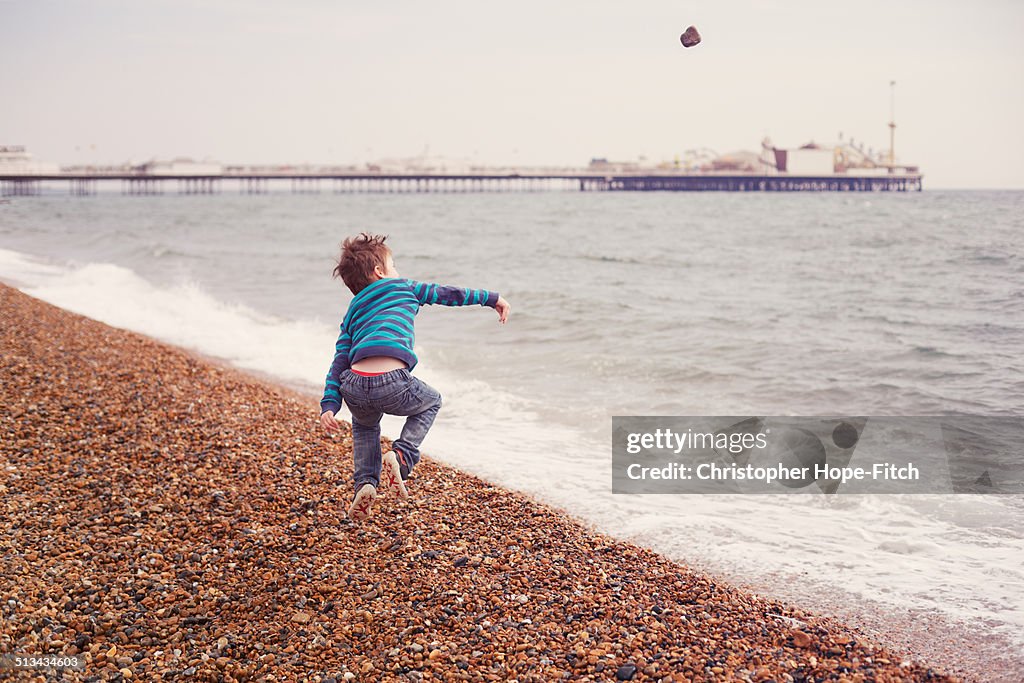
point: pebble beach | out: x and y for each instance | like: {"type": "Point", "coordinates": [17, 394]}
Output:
{"type": "Point", "coordinates": [166, 517]}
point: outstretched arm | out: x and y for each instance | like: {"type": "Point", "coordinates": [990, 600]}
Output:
{"type": "Point", "coordinates": [428, 294]}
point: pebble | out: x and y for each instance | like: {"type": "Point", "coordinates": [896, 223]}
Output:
{"type": "Point", "coordinates": [626, 672]}
{"type": "Point", "coordinates": [171, 498]}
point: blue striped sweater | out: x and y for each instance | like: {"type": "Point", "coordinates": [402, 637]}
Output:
{"type": "Point", "coordinates": [379, 322]}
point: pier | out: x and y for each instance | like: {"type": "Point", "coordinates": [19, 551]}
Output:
{"type": "Point", "coordinates": [84, 184]}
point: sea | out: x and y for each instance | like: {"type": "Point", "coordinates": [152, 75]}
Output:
{"type": "Point", "coordinates": [629, 304]}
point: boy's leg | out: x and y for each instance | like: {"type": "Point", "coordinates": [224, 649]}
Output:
{"type": "Point", "coordinates": [421, 407]}
{"type": "Point", "coordinates": [366, 446]}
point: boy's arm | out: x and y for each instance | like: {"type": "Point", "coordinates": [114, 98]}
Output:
{"type": "Point", "coordinates": [332, 387]}
{"type": "Point", "coordinates": [428, 294]}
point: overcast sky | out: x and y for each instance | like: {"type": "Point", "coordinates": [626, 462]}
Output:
{"type": "Point", "coordinates": [526, 82]}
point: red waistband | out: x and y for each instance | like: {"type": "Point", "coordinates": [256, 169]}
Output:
{"type": "Point", "coordinates": [369, 374]}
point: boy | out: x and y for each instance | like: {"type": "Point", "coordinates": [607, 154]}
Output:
{"type": "Point", "coordinates": [373, 361]}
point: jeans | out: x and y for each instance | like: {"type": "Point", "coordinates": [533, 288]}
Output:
{"type": "Point", "coordinates": [395, 393]}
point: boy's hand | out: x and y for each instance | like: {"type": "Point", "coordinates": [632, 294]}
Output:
{"type": "Point", "coordinates": [329, 424]}
{"type": "Point", "coordinates": [503, 309]}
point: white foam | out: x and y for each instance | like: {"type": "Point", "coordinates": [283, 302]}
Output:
{"type": "Point", "coordinates": [183, 314]}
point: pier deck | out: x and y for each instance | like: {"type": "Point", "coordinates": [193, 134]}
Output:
{"type": "Point", "coordinates": [260, 183]}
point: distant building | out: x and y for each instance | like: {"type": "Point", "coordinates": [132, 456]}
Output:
{"type": "Point", "coordinates": [844, 158]}
{"type": "Point", "coordinates": [14, 160]}
{"type": "Point", "coordinates": [735, 162]}
{"type": "Point", "coordinates": [180, 166]}
{"type": "Point", "coordinates": [603, 165]}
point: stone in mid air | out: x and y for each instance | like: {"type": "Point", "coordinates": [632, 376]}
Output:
{"type": "Point", "coordinates": [690, 37]}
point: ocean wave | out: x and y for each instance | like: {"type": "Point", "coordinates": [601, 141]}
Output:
{"type": "Point", "coordinates": [163, 251]}
{"type": "Point", "coordinates": [182, 314]}
{"type": "Point", "coordinates": [600, 258]}
{"type": "Point", "coordinates": [935, 352]}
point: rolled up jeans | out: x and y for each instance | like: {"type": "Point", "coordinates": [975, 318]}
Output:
{"type": "Point", "coordinates": [393, 393]}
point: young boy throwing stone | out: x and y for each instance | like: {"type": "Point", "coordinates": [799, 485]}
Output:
{"type": "Point", "coordinates": [373, 363]}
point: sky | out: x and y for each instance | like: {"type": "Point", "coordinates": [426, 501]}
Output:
{"type": "Point", "coordinates": [527, 82]}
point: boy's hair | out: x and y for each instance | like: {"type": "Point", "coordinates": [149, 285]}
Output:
{"type": "Point", "coordinates": [359, 255]}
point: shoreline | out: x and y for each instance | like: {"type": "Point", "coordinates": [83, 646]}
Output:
{"type": "Point", "coordinates": [211, 487]}
{"type": "Point", "coordinates": [909, 632]}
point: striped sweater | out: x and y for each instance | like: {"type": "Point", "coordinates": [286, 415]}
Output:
{"type": "Point", "coordinates": [379, 322]}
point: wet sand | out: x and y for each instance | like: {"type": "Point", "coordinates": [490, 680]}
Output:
{"type": "Point", "coordinates": [167, 517]}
